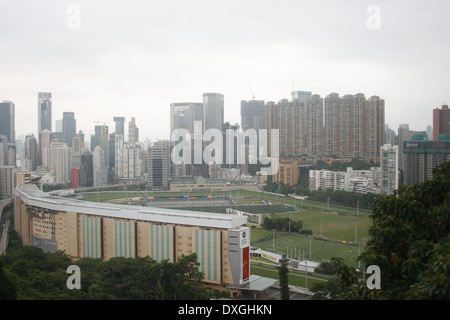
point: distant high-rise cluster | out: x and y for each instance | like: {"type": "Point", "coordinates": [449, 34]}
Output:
{"type": "Point", "coordinates": [349, 126]}
{"type": "Point", "coordinates": [309, 127]}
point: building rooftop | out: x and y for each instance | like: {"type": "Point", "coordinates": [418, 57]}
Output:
{"type": "Point", "coordinates": [31, 195]}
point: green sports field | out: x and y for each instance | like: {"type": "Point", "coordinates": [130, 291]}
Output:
{"type": "Point", "coordinates": [339, 225]}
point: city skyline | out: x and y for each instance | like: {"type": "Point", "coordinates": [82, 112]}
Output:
{"type": "Point", "coordinates": [99, 64]}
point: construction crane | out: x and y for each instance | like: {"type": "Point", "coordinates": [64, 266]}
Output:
{"type": "Point", "coordinates": [253, 95]}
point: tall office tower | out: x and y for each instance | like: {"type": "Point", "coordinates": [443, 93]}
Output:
{"type": "Point", "coordinates": [76, 144]}
{"type": "Point", "coordinates": [45, 138]}
{"type": "Point", "coordinates": [60, 162]}
{"type": "Point", "coordinates": [230, 146]}
{"type": "Point", "coordinates": [100, 138]}
{"type": "Point", "coordinates": [86, 170]}
{"type": "Point", "coordinates": [314, 129]}
{"type": "Point", "coordinates": [184, 114]}
{"type": "Point", "coordinates": [68, 127]}
{"type": "Point", "coordinates": [44, 117]}
{"type": "Point", "coordinates": [119, 125]}
{"type": "Point", "coordinates": [44, 111]}
{"type": "Point", "coordinates": [7, 120]}
{"type": "Point", "coordinates": [3, 150]}
{"type": "Point", "coordinates": [430, 133]}
{"type": "Point", "coordinates": [133, 132]}
{"type": "Point", "coordinates": [31, 151]}
{"type": "Point", "coordinates": [441, 121]}
{"type": "Point", "coordinates": [213, 111]}
{"type": "Point", "coordinates": [11, 154]}
{"type": "Point", "coordinates": [374, 127]}
{"type": "Point", "coordinates": [80, 135]}
{"type": "Point", "coordinates": [252, 115]}
{"type": "Point", "coordinates": [389, 169]}
{"type": "Point", "coordinates": [389, 135]}
{"type": "Point", "coordinates": [158, 165]}
{"type": "Point", "coordinates": [99, 167]}
{"type": "Point", "coordinates": [403, 135]}
{"type": "Point", "coordinates": [420, 157]}
{"type": "Point", "coordinates": [331, 124]}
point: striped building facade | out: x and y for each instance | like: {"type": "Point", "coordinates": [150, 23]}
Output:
{"type": "Point", "coordinates": [85, 229]}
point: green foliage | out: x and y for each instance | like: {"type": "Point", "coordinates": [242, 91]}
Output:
{"type": "Point", "coordinates": [282, 224]}
{"type": "Point", "coordinates": [409, 242]}
{"type": "Point", "coordinates": [283, 274]}
{"type": "Point", "coordinates": [26, 272]}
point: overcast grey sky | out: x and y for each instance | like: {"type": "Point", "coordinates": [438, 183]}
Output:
{"type": "Point", "coordinates": [133, 58]}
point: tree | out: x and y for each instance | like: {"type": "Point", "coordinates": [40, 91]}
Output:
{"type": "Point", "coordinates": [283, 274]}
{"type": "Point", "coordinates": [409, 242]}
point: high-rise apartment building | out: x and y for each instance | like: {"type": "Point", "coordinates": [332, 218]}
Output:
{"type": "Point", "coordinates": [374, 127]}
{"type": "Point", "coordinates": [60, 162]}
{"type": "Point", "coordinates": [389, 169]}
{"type": "Point", "coordinates": [68, 127]}
{"type": "Point", "coordinates": [7, 120]}
{"type": "Point", "coordinates": [331, 124]}
{"type": "Point", "coordinates": [7, 181]}
{"type": "Point", "coordinates": [288, 118]}
{"type": "Point", "coordinates": [99, 167]}
{"type": "Point", "coordinates": [441, 121]}
{"type": "Point", "coordinates": [314, 126]}
{"type": "Point", "coordinates": [404, 134]}
{"type": "Point", "coordinates": [213, 111]}
{"type": "Point", "coordinates": [158, 165]}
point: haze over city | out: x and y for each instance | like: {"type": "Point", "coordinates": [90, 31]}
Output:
{"type": "Point", "coordinates": [113, 58]}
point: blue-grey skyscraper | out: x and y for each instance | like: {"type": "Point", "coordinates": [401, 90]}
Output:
{"type": "Point", "coordinates": [213, 111]}
{"type": "Point", "coordinates": [7, 120]}
{"type": "Point", "coordinates": [120, 125]}
{"type": "Point", "coordinates": [68, 127]}
{"type": "Point", "coordinates": [44, 111]}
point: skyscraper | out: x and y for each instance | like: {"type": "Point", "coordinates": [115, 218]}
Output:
{"type": "Point", "coordinates": [68, 127]}
{"type": "Point", "coordinates": [331, 124]}
{"type": "Point", "coordinates": [158, 165]}
{"type": "Point", "coordinates": [184, 114]}
{"type": "Point", "coordinates": [389, 169]}
{"type": "Point", "coordinates": [7, 120]}
{"type": "Point", "coordinates": [213, 111]}
{"type": "Point", "coordinates": [44, 111]}
{"type": "Point", "coordinates": [403, 135]}
{"type": "Point", "coordinates": [119, 125]}
{"type": "Point", "coordinates": [99, 167]}
{"type": "Point", "coordinates": [133, 132]}
{"type": "Point", "coordinates": [252, 114]}
{"type": "Point", "coordinates": [314, 129]}
{"type": "Point", "coordinates": [441, 121]}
